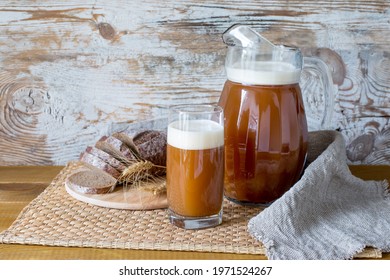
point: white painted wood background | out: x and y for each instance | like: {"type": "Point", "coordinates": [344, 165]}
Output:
{"type": "Point", "coordinates": [72, 71]}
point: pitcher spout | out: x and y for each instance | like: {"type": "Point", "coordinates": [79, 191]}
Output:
{"type": "Point", "coordinates": [244, 36]}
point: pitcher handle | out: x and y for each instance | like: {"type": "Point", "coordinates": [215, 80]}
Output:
{"type": "Point", "coordinates": [322, 96]}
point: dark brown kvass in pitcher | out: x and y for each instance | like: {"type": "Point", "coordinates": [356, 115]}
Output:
{"type": "Point", "coordinates": [265, 139]}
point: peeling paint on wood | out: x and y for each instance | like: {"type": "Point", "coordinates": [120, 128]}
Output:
{"type": "Point", "coordinates": [70, 72]}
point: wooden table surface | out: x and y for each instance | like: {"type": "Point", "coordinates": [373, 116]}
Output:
{"type": "Point", "coordinates": [20, 185]}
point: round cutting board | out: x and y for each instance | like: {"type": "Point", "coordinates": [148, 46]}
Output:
{"type": "Point", "coordinates": [122, 198]}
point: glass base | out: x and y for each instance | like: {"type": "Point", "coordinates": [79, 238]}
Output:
{"type": "Point", "coordinates": [247, 203]}
{"type": "Point", "coordinates": [194, 222]}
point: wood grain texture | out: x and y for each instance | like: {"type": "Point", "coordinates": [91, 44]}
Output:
{"type": "Point", "coordinates": [71, 72]}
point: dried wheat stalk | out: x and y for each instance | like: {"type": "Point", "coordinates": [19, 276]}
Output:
{"type": "Point", "coordinates": [139, 175]}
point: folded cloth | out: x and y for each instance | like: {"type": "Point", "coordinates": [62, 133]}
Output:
{"type": "Point", "coordinates": [328, 213]}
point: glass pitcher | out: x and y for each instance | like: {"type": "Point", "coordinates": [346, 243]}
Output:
{"type": "Point", "coordinates": [266, 133]}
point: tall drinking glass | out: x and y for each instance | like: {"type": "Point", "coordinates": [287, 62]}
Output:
{"type": "Point", "coordinates": [195, 166]}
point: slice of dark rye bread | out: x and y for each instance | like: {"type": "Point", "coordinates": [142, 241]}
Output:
{"type": "Point", "coordinates": [128, 140]}
{"type": "Point", "coordinates": [91, 181]}
{"type": "Point", "coordinates": [116, 148]}
{"type": "Point", "coordinates": [107, 158]}
{"type": "Point", "coordinates": [100, 164]}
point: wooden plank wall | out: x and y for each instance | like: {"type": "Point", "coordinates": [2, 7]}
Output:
{"type": "Point", "coordinates": [72, 71]}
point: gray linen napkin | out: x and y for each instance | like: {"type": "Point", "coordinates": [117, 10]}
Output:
{"type": "Point", "coordinates": [328, 213]}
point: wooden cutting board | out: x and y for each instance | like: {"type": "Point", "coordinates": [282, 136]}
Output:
{"type": "Point", "coordinates": [122, 198]}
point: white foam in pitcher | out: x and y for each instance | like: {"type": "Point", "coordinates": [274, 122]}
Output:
{"type": "Point", "coordinates": [196, 135]}
{"type": "Point", "coordinates": [264, 73]}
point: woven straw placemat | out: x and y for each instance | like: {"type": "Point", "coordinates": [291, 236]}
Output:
{"type": "Point", "coordinates": [57, 219]}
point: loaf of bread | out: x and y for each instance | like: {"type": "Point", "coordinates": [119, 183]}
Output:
{"type": "Point", "coordinates": [152, 146]}
{"type": "Point", "coordinates": [115, 155]}
{"type": "Point", "coordinates": [145, 136]}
